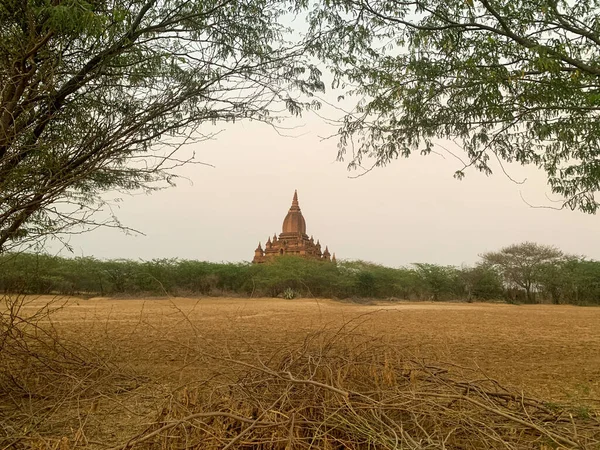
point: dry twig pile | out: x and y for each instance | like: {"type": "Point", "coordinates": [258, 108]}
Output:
{"type": "Point", "coordinates": [337, 393]}
{"type": "Point", "coordinates": [334, 390]}
{"type": "Point", "coordinates": [44, 379]}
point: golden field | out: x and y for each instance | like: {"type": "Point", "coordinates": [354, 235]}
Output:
{"type": "Point", "coordinates": [169, 352]}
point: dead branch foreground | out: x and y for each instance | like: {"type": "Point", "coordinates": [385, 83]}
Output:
{"type": "Point", "coordinates": [335, 389]}
{"type": "Point", "coordinates": [335, 392]}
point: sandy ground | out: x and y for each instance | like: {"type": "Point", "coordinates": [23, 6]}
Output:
{"type": "Point", "coordinates": [548, 350]}
{"type": "Point", "coordinates": [145, 352]}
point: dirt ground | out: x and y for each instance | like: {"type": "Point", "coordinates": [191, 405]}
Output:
{"type": "Point", "coordinates": [550, 351]}
{"type": "Point", "coordinates": [148, 353]}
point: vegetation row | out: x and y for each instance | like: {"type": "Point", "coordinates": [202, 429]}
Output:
{"type": "Point", "coordinates": [524, 273]}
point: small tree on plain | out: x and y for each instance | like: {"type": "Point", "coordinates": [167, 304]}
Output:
{"type": "Point", "coordinates": [523, 265]}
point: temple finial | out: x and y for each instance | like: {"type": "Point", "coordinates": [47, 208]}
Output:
{"type": "Point", "coordinates": [295, 200]}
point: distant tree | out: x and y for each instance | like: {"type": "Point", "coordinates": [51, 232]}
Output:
{"type": "Point", "coordinates": [121, 274]}
{"type": "Point", "coordinates": [441, 282]}
{"type": "Point", "coordinates": [572, 280]}
{"type": "Point", "coordinates": [482, 282]}
{"type": "Point", "coordinates": [523, 265]}
{"type": "Point", "coordinates": [285, 272]}
{"type": "Point", "coordinates": [96, 96]}
{"type": "Point", "coordinates": [513, 80]}
{"type": "Point", "coordinates": [366, 284]}
{"type": "Point", "coordinates": [583, 281]}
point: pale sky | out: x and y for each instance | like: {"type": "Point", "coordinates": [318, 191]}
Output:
{"type": "Point", "coordinates": [411, 211]}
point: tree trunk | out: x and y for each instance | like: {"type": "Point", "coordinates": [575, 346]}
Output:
{"type": "Point", "coordinates": [529, 293]}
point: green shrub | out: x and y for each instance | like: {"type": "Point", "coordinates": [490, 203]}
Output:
{"type": "Point", "coordinates": [571, 281]}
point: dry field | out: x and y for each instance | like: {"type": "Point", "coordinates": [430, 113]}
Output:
{"type": "Point", "coordinates": [552, 351]}
{"type": "Point", "coordinates": [169, 352]}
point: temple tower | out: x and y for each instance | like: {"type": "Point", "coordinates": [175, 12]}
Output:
{"type": "Point", "coordinates": [292, 240]}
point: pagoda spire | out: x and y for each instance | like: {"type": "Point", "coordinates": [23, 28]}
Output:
{"type": "Point", "coordinates": [295, 205]}
{"type": "Point", "coordinates": [258, 254]}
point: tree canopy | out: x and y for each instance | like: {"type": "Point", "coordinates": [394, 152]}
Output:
{"type": "Point", "coordinates": [524, 265]}
{"type": "Point", "coordinates": [515, 81]}
{"type": "Point", "coordinates": [504, 275]}
{"type": "Point", "coordinates": [96, 96]}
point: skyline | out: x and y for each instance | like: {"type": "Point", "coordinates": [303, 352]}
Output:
{"type": "Point", "coordinates": [411, 211]}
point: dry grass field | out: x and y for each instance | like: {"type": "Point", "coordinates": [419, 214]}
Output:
{"type": "Point", "coordinates": [162, 361]}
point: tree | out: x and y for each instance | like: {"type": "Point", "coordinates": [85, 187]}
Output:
{"type": "Point", "coordinates": [524, 265]}
{"type": "Point", "coordinates": [583, 279]}
{"type": "Point", "coordinates": [482, 282]}
{"type": "Point", "coordinates": [572, 280]}
{"type": "Point", "coordinates": [510, 80]}
{"type": "Point", "coordinates": [97, 96]}
{"type": "Point", "coordinates": [441, 281]}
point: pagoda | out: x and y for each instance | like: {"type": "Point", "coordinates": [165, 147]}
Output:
{"type": "Point", "coordinates": [292, 240]}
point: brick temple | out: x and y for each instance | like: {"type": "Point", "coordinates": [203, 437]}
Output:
{"type": "Point", "coordinates": [292, 240]}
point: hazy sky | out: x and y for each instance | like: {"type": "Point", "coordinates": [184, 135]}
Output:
{"type": "Point", "coordinates": [411, 211]}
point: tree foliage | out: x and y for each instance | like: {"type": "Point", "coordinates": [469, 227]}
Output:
{"type": "Point", "coordinates": [482, 282]}
{"type": "Point", "coordinates": [524, 265]}
{"type": "Point", "coordinates": [441, 281]}
{"type": "Point", "coordinates": [510, 80]}
{"type": "Point", "coordinates": [551, 280]}
{"type": "Point", "coordinates": [96, 96]}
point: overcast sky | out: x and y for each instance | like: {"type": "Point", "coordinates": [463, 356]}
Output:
{"type": "Point", "coordinates": [411, 211]}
